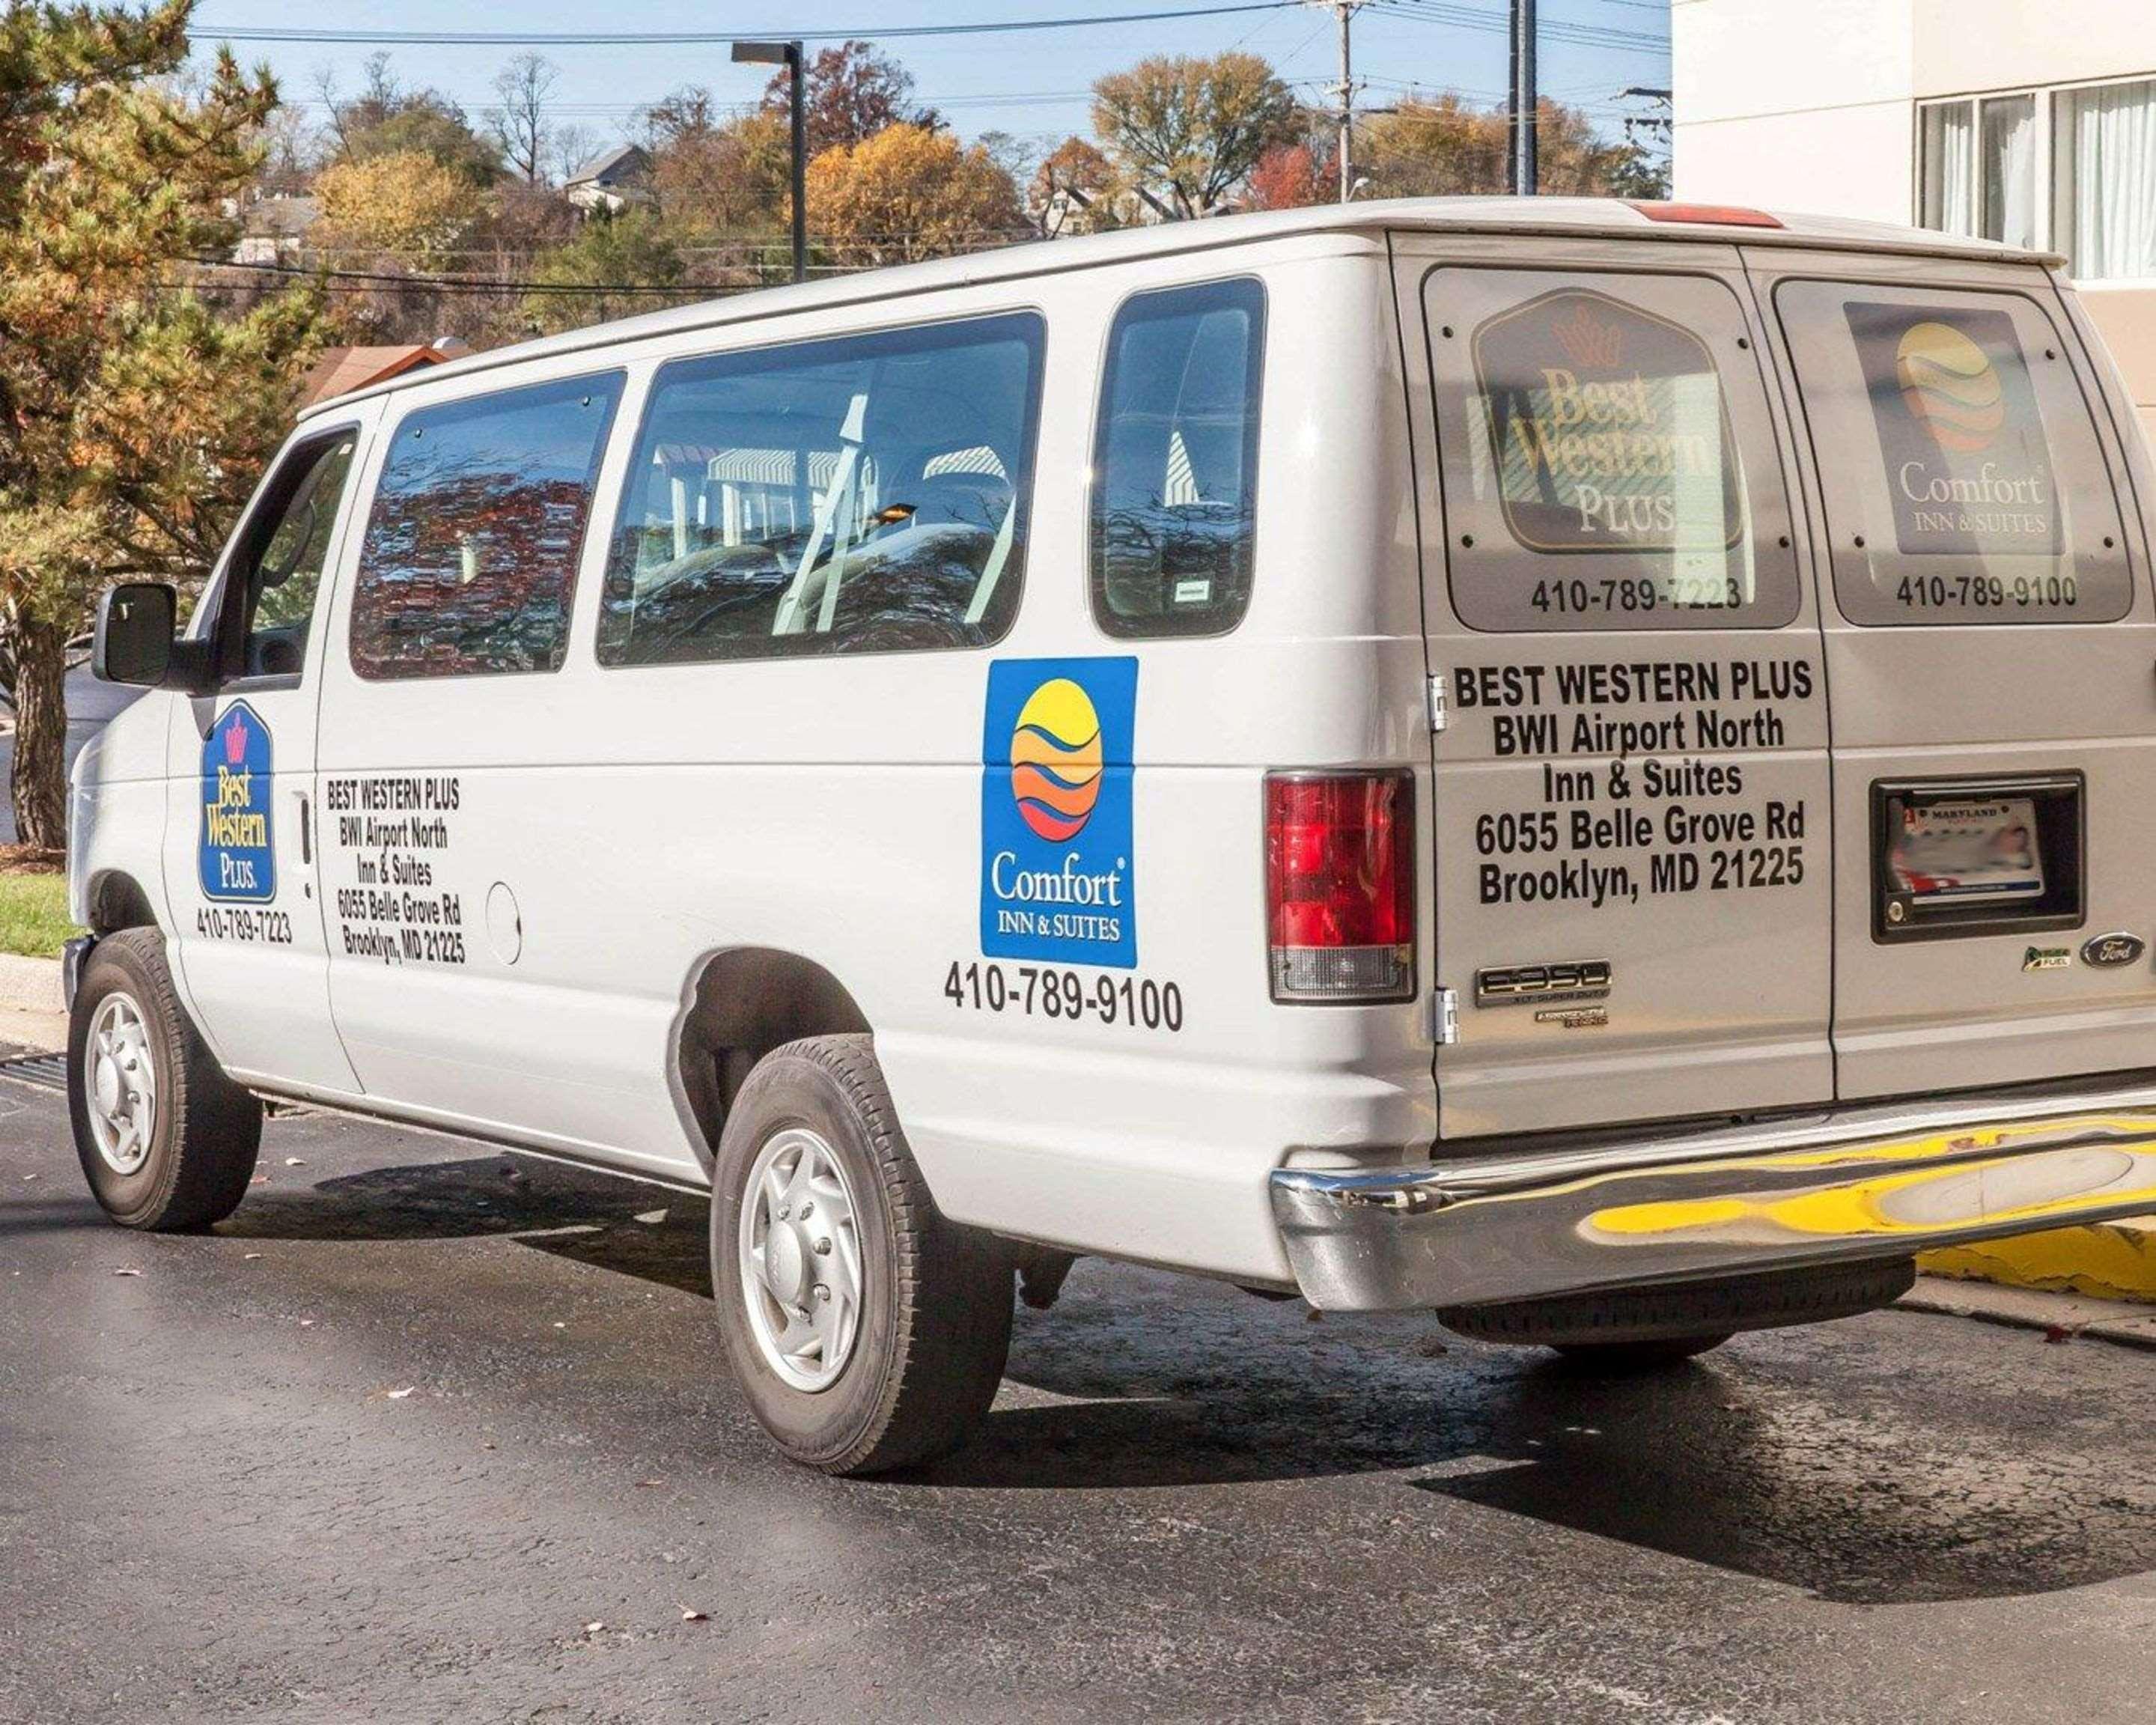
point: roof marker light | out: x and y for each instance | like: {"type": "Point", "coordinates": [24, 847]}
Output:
{"type": "Point", "coordinates": [1715, 215]}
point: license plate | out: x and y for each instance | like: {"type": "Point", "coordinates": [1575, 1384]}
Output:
{"type": "Point", "coordinates": [1978, 850]}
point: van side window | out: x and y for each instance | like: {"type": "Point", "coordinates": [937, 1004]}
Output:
{"type": "Point", "coordinates": [1608, 457]}
{"type": "Point", "coordinates": [1963, 477]}
{"type": "Point", "coordinates": [470, 556]}
{"type": "Point", "coordinates": [278, 573]}
{"type": "Point", "coordinates": [1175, 461]}
{"type": "Point", "coordinates": [862, 495]}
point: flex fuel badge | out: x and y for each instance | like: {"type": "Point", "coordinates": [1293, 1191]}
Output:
{"type": "Point", "coordinates": [1056, 847]}
{"type": "Point", "coordinates": [234, 859]}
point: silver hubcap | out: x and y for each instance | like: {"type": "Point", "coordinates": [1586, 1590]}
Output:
{"type": "Point", "coordinates": [800, 1259]}
{"type": "Point", "coordinates": [121, 1084]}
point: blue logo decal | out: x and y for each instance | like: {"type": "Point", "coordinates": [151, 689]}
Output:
{"type": "Point", "coordinates": [235, 859]}
{"type": "Point", "coordinates": [1055, 811]}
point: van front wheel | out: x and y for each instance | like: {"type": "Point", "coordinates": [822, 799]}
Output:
{"type": "Point", "coordinates": [869, 1333]}
{"type": "Point", "coordinates": [167, 1141]}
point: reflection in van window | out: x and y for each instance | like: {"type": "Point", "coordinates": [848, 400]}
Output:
{"type": "Point", "coordinates": [286, 579]}
{"type": "Point", "coordinates": [1607, 453]}
{"type": "Point", "coordinates": [1175, 462]}
{"type": "Point", "coordinates": [863, 495]}
{"type": "Point", "coordinates": [1593, 429]}
{"type": "Point", "coordinates": [1963, 480]}
{"type": "Point", "coordinates": [470, 556]}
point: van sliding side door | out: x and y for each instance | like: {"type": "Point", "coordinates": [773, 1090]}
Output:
{"type": "Point", "coordinates": [1633, 855]}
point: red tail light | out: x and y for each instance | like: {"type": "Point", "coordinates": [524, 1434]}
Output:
{"type": "Point", "coordinates": [1340, 885]}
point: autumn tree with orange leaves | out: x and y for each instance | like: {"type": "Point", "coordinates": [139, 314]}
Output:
{"type": "Point", "coordinates": [906, 193]}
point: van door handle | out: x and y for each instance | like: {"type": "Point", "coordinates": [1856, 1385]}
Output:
{"type": "Point", "coordinates": [306, 828]}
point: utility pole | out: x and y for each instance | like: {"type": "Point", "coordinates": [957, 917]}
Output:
{"type": "Point", "coordinates": [1344, 90]}
{"type": "Point", "coordinates": [1523, 102]}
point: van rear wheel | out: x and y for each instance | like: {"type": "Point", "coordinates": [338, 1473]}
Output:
{"type": "Point", "coordinates": [868, 1332]}
{"type": "Point", "coordinates": [167, 1141]}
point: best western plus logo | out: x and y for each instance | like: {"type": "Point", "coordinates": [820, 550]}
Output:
{"type": "Point", "coordinates": [1055, 811]}
{"type": "Point", "coordinates": [235, 860]}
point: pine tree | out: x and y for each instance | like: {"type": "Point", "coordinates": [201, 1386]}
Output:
{"type": "Point", "coordinates": [133, 418]}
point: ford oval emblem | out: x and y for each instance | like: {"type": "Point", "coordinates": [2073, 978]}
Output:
{"type": "Point", "coordinates": [2112, 949]}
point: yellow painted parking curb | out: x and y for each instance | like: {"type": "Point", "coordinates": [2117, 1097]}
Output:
{"type": "Point", "coordinates": [2109, 1260]}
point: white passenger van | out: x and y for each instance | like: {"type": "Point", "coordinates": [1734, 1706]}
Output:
{"type": "Point", "coordinates": [1587, 768]}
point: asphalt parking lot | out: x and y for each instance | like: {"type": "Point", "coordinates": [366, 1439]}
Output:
{"type": "Point", "coordinates": [422, 1433]}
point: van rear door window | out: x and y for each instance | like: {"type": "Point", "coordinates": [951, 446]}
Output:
{"type": "Point", "coordinates": [1963, 479]}
{"type": "Point", "coordinates": [866, 494]}
{"type": "Point", "coordinates": [472, 549]}
{"type": "Point", "coordinates": [1609, 460]}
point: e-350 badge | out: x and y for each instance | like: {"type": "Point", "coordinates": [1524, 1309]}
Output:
{"type": "Point", "coordinates": [1542, 984]}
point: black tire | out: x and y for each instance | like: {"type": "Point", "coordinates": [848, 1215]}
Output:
{"type": "Point", "coordinates": [205, 1131]}
{"type": "Point", "coordinates": [1626, 1359]}
{"type": "Point", "coordinates": [935, 1312]}
{"type": "Point", "coordinates": [1658, 1325]}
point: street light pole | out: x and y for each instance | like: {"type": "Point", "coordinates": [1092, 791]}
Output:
{"type": "Point", "coordinates": [790, 56]}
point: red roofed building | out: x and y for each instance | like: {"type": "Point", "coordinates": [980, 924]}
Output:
{"type": "Point", "coordinates": [341, 370]}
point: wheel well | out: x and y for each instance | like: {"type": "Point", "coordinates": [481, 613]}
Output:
{"type": "Point", "coordinates": [745, 1004]}
{"type": "Point", "coordinates": [117, 901]}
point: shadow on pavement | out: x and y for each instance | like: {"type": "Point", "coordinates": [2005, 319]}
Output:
{"type": "Point", "coordinates": [1854, 1509]}
{"type": "Point", "coordinates": [1141, 1380]}
{"type": "Point", "coordinates": [536, 1204]}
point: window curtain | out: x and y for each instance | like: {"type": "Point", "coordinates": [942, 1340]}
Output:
{"type": "Point", "coordinates": [2009, 170]}
{"type": "Point", "coordinates": [1949, 167]}
{"type": "Point", "coordinates": [2104, 143]}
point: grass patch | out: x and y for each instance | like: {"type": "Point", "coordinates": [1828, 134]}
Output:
{"type": "Point", "coordinates": [33, 918]}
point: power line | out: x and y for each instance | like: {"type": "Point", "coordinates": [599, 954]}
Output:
{"type": "Point", "coordinates": [665, 38]}
{"type": "Point", "coordinates": [386, 278]}
{"type": "Point", "coordinates": [1470, 18]}
{"type": "Point", "coordinates": [614, 111]}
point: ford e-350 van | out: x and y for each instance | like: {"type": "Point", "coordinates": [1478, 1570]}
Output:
{"type": "Point", "coordinates": [1590, 768]}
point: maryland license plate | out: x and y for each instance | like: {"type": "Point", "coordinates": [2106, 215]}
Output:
{"type": "Point", "coordinates": [1976, 849]}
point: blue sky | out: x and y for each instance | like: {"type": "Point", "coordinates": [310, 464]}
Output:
{"type": "Point", "coordinates": [1032, 84]}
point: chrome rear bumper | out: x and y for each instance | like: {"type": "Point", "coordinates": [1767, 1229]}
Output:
{"type": "Point", "coordinates": [1878, 1182]}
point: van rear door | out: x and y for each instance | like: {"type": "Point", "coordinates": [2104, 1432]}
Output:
{"type": "Point", "coordinates": [1989, 638]}
{"type": "Point", "coordinates": [1631, 786]}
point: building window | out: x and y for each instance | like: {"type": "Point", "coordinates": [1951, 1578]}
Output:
{"type": "Point", "coordinates": [1949, 168]}
{"type": "Point", "coordinates": [2103, 148]}
{"type": "Point", "coordinates": [2075, 170]}
{"type": "Point", "coordinates": [2008, 140]}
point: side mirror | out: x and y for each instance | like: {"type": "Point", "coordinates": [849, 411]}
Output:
{"type": "Point", "coordinates": [136, 641]}
{"type": "Point", "coordinates": [133, 643]}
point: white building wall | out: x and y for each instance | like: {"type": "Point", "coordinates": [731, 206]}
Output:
{"type": "Point", "coordinates": [1803, 106]}
{"type": "Point", "coordinates": [1811, 105]}
{"type": "Point", "coordinates": [1961, 46]}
